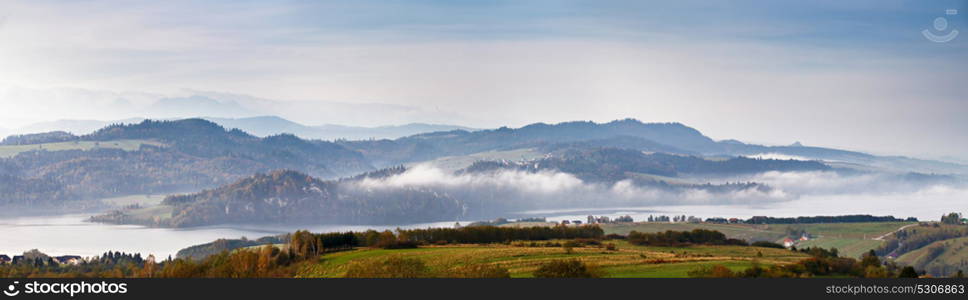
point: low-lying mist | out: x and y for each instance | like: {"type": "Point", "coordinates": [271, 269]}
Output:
{"type": "Point", "coordinates": [492, 194]}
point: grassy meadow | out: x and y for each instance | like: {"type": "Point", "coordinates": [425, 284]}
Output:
{"type": "Point", "coordinates": [627, 261]}
{"type": "Point", "coordinates": [7, 151]}
{"type": "Point", "coordinates": [851, 239]}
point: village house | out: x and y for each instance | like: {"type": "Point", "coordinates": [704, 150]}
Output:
{"type": "Point", "coordinates": [788, 242]}
{"type": "Point", "coordinates": [4, 259]}
{"type": "Point", "coordinates": [69, 260]}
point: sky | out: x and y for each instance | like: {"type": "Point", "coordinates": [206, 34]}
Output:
{"type": "Point", "coordinates": [855, 75]}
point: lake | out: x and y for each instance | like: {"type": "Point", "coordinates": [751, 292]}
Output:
{"type": "Point", "coordinates": [70, 235]}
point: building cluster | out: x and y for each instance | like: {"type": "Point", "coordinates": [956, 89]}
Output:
{"type": "Point", "coordinates": [599, 220]}
{"type": "Point", "coordinates": [674, 219]}
{"type": "Point", "coordinates": [789, 243]}
{"type": "Point", "coordinates": [606, 219]}
{"type": "Point", "coordinates": [725, 220]}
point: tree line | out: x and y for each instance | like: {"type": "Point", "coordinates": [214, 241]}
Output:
{"type": "Point", "coordinates": [671, 238]}
{"type": "Point", "coordinates": [827, 219]}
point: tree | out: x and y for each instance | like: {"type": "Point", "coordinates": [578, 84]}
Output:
{"type": "Point", "coordinates": [304, 244]}
{"type": "Point", "coordinates": [908, 272]}
{"type": "Point", "coordinates": [870, 260]}
{"type": "Point", "coordinates": [951, 219]}
{"type": "Point", "coordinates": [265, 260]}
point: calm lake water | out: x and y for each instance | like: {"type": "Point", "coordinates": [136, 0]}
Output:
{"type": "Point", "coordinates": [70, 235]}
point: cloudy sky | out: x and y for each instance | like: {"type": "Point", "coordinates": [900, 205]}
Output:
{"type": "Point", "coordinates": [849, 74]}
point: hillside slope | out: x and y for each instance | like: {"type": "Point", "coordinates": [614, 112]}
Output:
{"type": "Point", "coordinates": [170, 156]}
{"type": "Point", "coordinates": [292, 197]}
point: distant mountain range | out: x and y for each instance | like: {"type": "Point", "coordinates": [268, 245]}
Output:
{"type": "Point", "coordinates": [155, 157]}
{"type": "Point", "coordinates": [261, 126]}
{"type": "Point", "coordinates": [269, 125]}
{"type": "Point", "coordinates": [628, 133]}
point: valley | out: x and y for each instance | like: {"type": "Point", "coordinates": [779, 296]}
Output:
{"type": "Point", "coordinates": [189, 181]}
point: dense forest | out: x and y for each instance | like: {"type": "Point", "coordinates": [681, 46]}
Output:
{"type": "Point", "coordinates": [38, 138]}
{"type": "Point", "coordinates": [293, 197]}
{"type": "Point", "coordinates": [614, 164]}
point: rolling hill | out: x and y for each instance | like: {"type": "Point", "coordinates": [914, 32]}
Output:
{"type": "Point", "coordinates": [154, 157]}
{"type": "Point", "coordinates": [628, 134]}
{"type": "Point", "coordinates": [292, 197]}
{"type": "Point", "coordinates": [260, 126]}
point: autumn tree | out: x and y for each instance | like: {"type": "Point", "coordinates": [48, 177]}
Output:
{"type": "Point", "coordinates": [265, 260]}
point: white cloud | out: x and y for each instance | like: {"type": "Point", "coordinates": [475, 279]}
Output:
{"type": "Point", "coordinates": [551, 189]}
{"type": "Point", "coordinates": [778, 156]}
{"type": "Point", "coordinates": [791, 194]}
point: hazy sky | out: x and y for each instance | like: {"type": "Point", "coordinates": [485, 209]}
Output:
{"type": "Point", "coordinates": [847, 74]}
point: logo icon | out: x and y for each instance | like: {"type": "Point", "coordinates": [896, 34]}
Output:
{"type": "Point", "coordinates": [940, 25]}
{"type": "Point", "coordinates": [12, 289]}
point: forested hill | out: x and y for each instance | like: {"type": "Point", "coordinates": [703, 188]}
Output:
{"type": "Point", "coordinates": [291, 197]}
{"type": "Point", "coordinates": [612, 164]}
{"type": "Point", "coordinates": [167, 156]}
{"type": "Point", "coordinates": [673, 137]}
{"type": "Point", "coordinates": [203, 138]}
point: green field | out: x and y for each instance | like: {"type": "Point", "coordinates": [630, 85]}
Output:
{"type": "Point", "coordinates": [126, 145]}
{"type": "Point", "coordinates": [142, 200]}
{"type": "Point", "coordinates": [851, 239]}
{"type": "Point", "coordinates": [626, 261]}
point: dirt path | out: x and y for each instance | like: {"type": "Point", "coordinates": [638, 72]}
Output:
{"type": "Point", "coordinates": [881, 238]}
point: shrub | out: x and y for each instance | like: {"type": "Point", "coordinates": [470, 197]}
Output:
{"type": "Point", "coordinates": [875, 272]}
{"type": "Point", "coordinates": [571, 268]}
{"type": "Point", "coordinates": [766, 244]}
{"type": "Point", "coordinates": [392, 267]}
{"type": "Point", "coordinates": [479, 271]}
{"type": "Point", "coordinates": [908, 272]}
{"type": "Point", "coordinates": [680, 238]}
{"type": "Point", "coordinates": [715, 271]}
{"type": "Point", "coordinates": [610, 247]}
{"type": "Point", "coordinates": [614, 236]}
